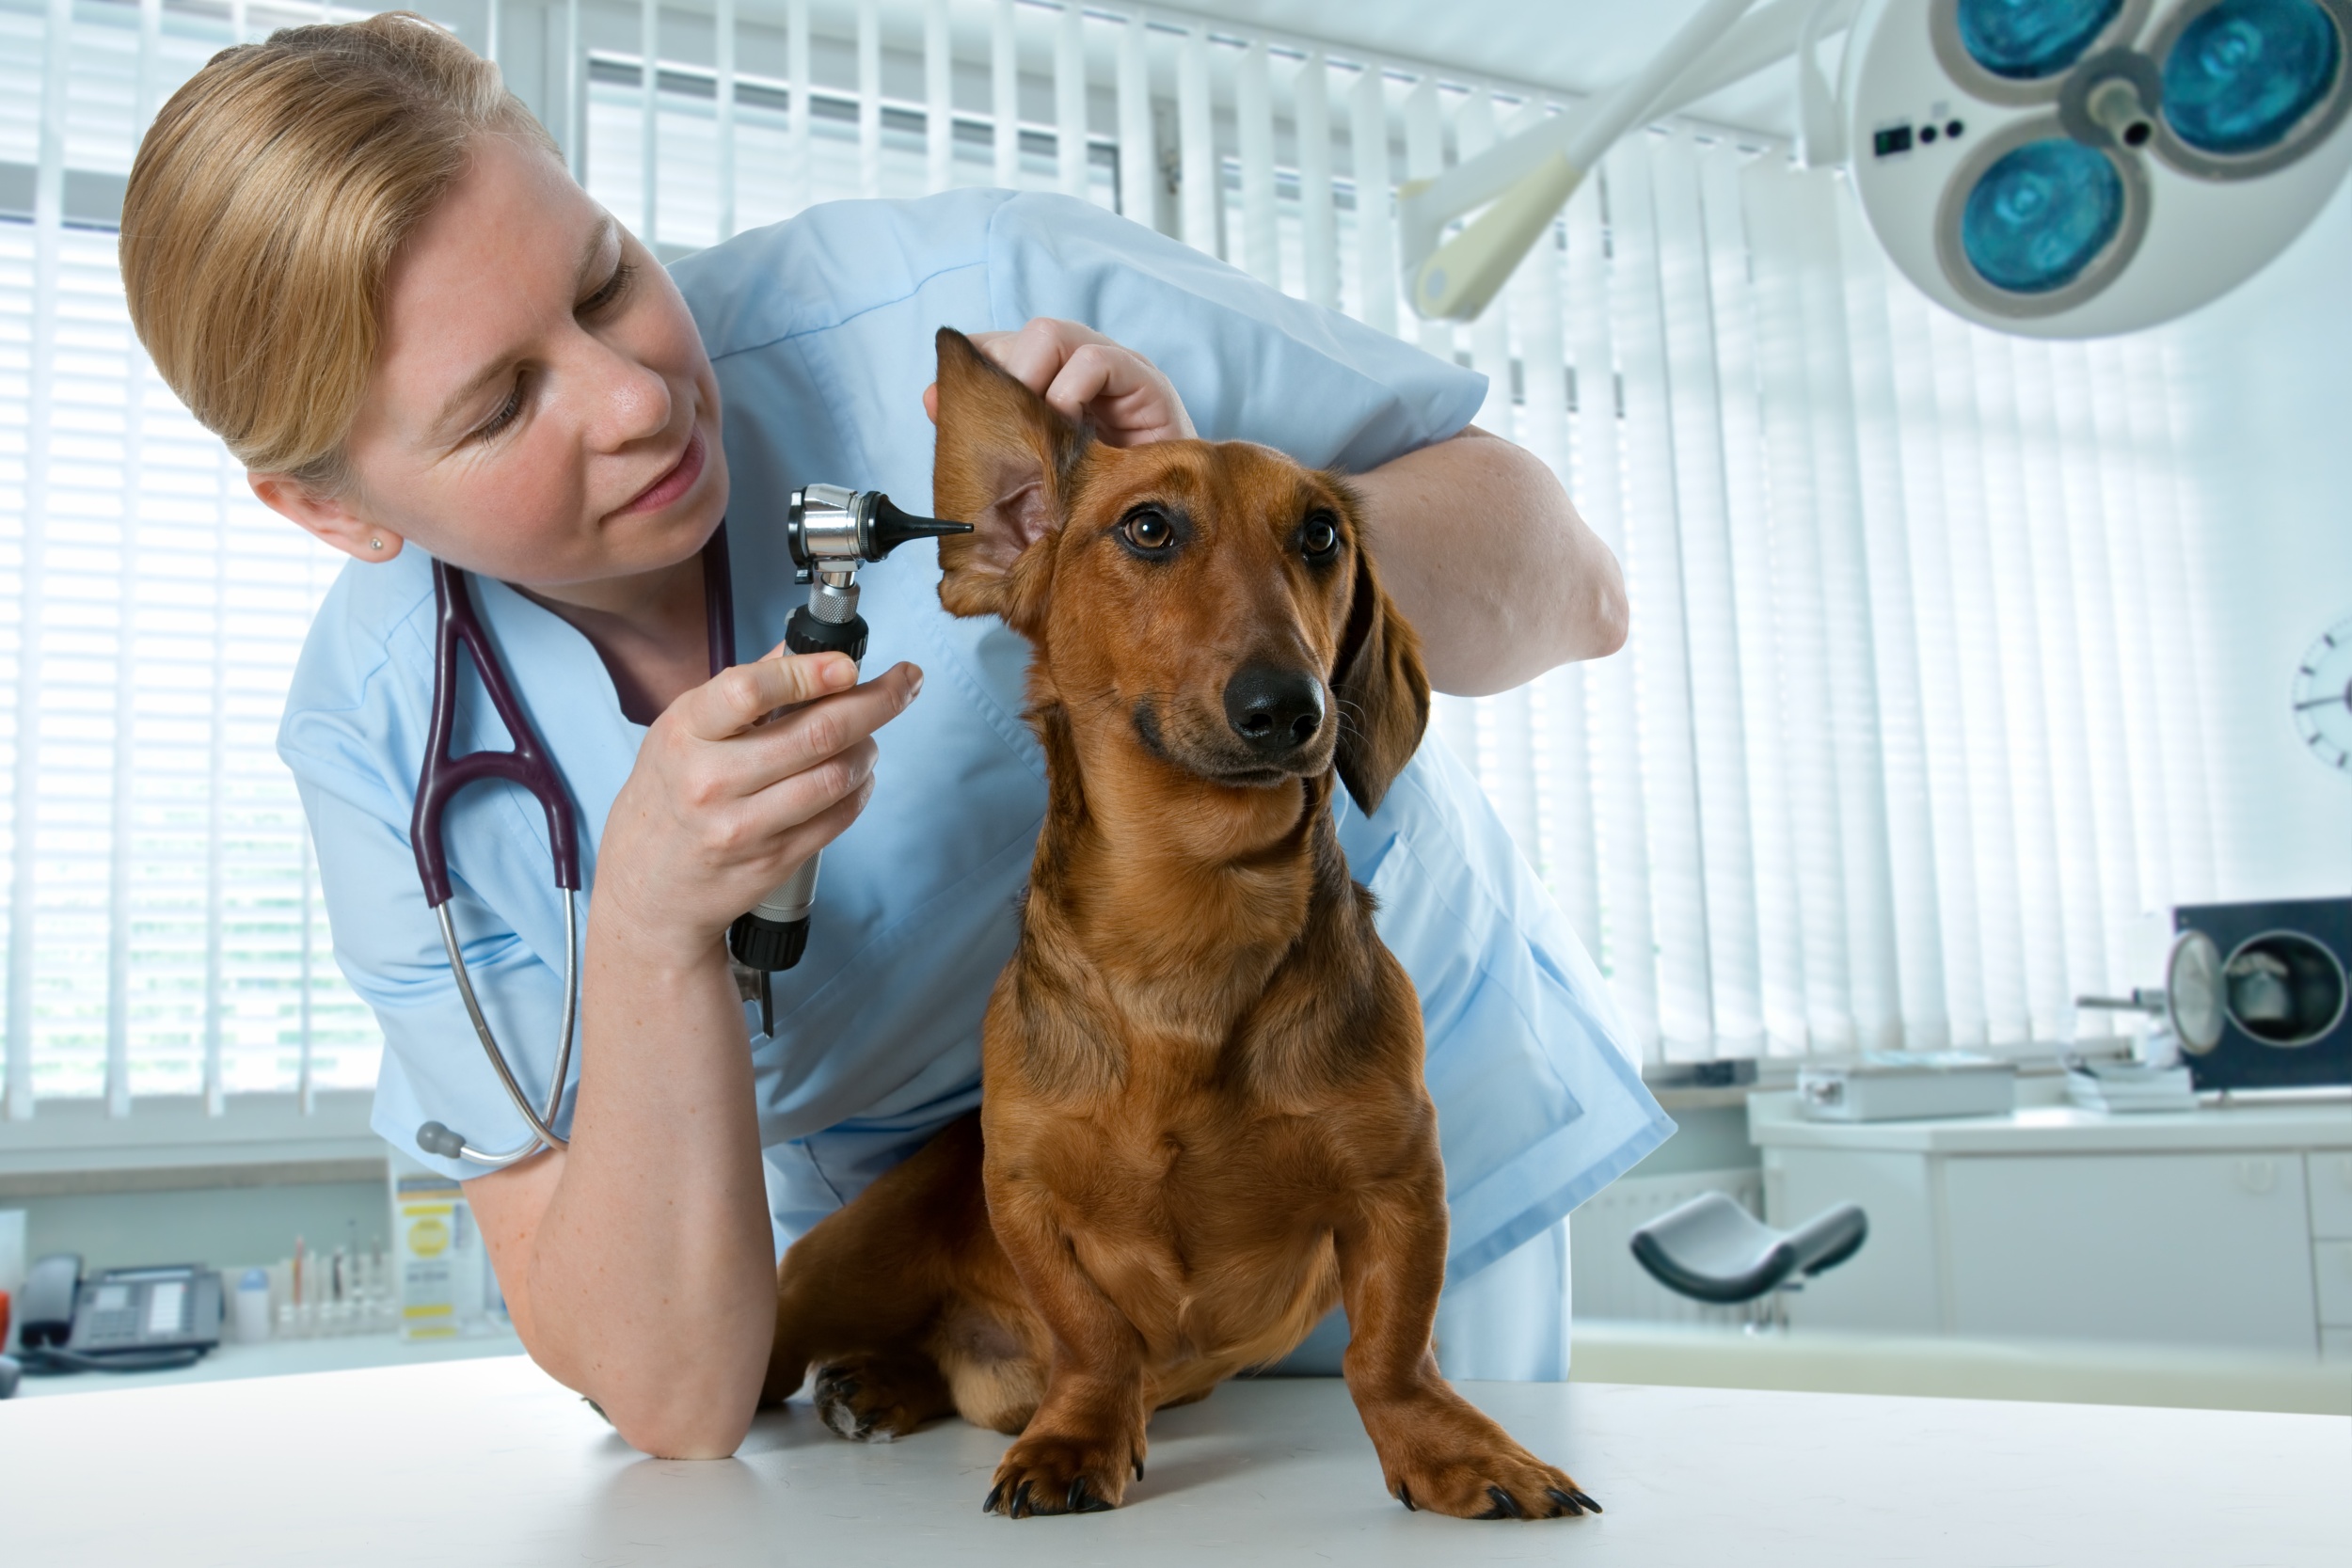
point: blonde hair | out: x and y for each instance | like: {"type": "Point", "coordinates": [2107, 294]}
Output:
{"type": "Point", "coordinates": [265, 207]}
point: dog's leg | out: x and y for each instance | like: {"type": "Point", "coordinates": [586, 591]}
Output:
{"type": "Point", "coordinates": [1086, 1439]}
{"type": "Point", "coordinates": [1436, 1449]}
{"type": "Point", "coordinates": [879, 1396]}
{"type": "Point", "coordinates": [860, 1294]}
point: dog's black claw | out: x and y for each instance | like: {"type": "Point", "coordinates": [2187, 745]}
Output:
{"type": "Point", "coordinates": [1083, 1501]}
{"type": "Point", "coordinates": [1138, 1464]}
{"type": "Point", "coordinates": [1404, 1496]}
{"type": "Point", "coordinates": [1506, 1506]}
{"type": "Point", "coordinates": [1586, 1497]}
{"type": "Point", "coordinates": [1019, 1508]}
{"type": "Point", "coordinates": [1563, 1502]}
{"type": "Point", "coordinates": [996, 1495]}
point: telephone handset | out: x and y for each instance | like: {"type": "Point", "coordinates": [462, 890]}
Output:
{"type": "Point", "coordinates": [123, 1320]}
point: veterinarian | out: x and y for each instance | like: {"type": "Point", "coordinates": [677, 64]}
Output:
{"type": "Point", "coordinates": [364, 266]}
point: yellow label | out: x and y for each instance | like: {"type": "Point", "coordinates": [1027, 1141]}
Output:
{"type": "Point", "coordinates": [428, 1238]}
{"type": "Point", "coordinates": [437, 1310]}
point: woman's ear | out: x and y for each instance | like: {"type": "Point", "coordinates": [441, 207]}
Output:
{"type": "Point", "coordinates": [325, 517]}
{"type": "Point", "coordinates": [1380, 688]}
{"type": "Point", "coordinates": [1004, 464]}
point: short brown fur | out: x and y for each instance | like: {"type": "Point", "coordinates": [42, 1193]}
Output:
{"type": "Point", "coordinates": [1203, 1121]}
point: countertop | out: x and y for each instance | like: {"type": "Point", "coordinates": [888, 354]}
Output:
{"type": "Point", "coordinates": [490, 1462]}
{"type": "Point", "coordinates": [1774, 1123]}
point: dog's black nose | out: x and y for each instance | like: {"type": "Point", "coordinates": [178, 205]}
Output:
{"type": "Point", "coordinates": [1275, 711]}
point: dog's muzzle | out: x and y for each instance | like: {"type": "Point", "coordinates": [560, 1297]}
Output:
{"type": "Point", "coordinates": [1276, 713]}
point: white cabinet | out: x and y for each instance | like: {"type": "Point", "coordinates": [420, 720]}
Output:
{"type": "Point", "coordinates": [2332, 1192]}
{"type": "Point", "coordinates": [2180, 1248]}
{"type": "Point", "coordinates": [2223, 1228]}
{"type": "Point", "coordinates": [2331, 1269]}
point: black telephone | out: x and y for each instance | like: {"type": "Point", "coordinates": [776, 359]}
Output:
{"type": "Point", "coordinates": [124, 1321]}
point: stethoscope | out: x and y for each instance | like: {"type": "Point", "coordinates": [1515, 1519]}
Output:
{"type": "Point", "coordinates": [527, 765]}
{"type": "Point", "coordinates": [831, 532]}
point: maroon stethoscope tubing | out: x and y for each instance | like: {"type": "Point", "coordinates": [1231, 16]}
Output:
{"type": "Point", "coordinates": [527, 762]}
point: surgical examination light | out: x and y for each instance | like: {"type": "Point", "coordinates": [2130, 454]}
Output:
{"type": "Point", "coordinates": [2058, 168]}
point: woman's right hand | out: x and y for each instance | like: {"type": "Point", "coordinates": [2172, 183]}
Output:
{"type": "Point", "coordinates": [721, 808]}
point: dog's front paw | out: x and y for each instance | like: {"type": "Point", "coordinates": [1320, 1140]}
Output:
{"type": "Point", "coordinates": [1454, 1460]}
{"type": "Point", "coordinates": [1049, 1473]}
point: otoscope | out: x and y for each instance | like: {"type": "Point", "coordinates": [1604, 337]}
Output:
{"type": "Point", "coordinates": [832, 532]}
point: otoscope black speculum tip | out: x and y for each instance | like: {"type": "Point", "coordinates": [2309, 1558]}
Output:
{"type": "Point", "coordinates": [893, 528]}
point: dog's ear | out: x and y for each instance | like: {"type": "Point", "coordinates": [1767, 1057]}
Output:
{"type": "Point", "coordinates": [1004, 464]}
{"type": "Point", "coordinates": [1380, 690]}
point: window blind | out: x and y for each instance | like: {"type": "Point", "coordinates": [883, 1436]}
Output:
{"type": "Point", "coordinates": [1901, 749]}
{"type": "Point", "coordinates": [163, 928]}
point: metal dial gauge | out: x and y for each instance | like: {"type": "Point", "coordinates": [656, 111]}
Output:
{"type": "Point", "coordinates": [2322, 698]}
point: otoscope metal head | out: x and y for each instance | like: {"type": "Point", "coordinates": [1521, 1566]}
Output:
{"type": "Point", "coordinates": [833, 529]}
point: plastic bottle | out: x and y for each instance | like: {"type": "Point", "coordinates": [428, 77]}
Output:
{"type": "Point", "coordinates": [253, 1307]}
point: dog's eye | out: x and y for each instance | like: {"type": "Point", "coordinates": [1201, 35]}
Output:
{"type": "Point", "coordinates": [1320, 537]}
{"type": "Point", "coordinates": [1149, 529]}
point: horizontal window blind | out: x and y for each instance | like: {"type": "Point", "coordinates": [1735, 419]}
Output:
{"type": "Point", "coordinates": [163, 928]}
{"type": "Point", "coordinates": [1900, 751]}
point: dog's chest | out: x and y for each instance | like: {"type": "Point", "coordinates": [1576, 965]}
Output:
{"type": "Point", "coordinates": [1201, 1227]}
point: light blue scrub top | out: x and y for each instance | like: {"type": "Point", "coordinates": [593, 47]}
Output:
{"type": "Point", "coordinates": [821, 330]}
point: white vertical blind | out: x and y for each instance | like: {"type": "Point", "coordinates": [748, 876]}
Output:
{"type": "Point", "coordinates": [649, 119]}
{"type": "Point", "coordinates": [1069, 99]}
{"type": "Point", "coordinates": [1204, 184]}
{"type": "Point", "coordinates": [1005, 103]}
{"type": "Point", "coordinates": [938, 109]}
{"type": "Point", "coordinates": [1318, 219]}
{"type": "Point", "coordinates": [1253, 116]}
{"type": "Point", "coordinates": [1138, 162]}
{"type": "Point", "coordinates": [869, 107]}
{"type": "Point", "coordinates": [1904, 747]}
{"type": "Point", "coordinates": [798, 156]}
{"type": "Point", "coordinates": [723, 28]}
{"type": "Point", "coordinates": [1372, 181]}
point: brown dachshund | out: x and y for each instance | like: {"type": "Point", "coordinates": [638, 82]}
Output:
{"type": "Point", "coordinates": [1203, 1121]}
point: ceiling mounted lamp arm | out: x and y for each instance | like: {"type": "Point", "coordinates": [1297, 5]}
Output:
{"type": "Point", "coordinates": [1529, 177]}
{"type": "Point", "coordinates": [1821, 128]}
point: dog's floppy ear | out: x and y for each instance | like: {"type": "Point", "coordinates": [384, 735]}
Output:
{"type": "Point", "coordinates": [1004, 464]}
{"type": "Point", "coordinates": [1381, 690]}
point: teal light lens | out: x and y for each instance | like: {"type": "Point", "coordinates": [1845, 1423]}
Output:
{"type": "Point", "coordinates": [2040, 214]}
{"type": "Point", "coordinates": [2244, 72]}
{"type": "Point", "coordinates": [2027, 40]}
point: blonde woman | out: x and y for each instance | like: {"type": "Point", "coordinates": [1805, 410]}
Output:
{"type": "Point", "coordinates": [361, 263]}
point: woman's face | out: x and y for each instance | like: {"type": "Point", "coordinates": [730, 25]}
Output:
{"type": "Point", "coordinates": [541, 408]}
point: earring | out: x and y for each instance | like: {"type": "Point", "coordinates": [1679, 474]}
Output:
{"type": "Point", "coordinates": [374, 543]}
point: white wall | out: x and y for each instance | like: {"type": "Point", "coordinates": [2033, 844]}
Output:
{"type": "Point", "coordinates": [2268, 422]}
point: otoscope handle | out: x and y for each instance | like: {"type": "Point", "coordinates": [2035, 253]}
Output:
{"type": "Point", "coordinates": [775, 934]}
{"type": "Point", "coordinates": [829, 530]}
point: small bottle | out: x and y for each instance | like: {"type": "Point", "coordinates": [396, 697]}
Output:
{"type": "Point", "coordinates": [252, 1308]}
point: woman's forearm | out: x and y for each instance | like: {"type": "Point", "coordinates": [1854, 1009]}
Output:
{"type": "Point", "coordinates": [1481, 549]}
{"type": "Point", "coordinates": [639, 1264]}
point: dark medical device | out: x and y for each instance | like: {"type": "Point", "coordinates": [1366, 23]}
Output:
{"type": "Point", "coordinates": [832, 532]}
{"type": "Point", "coordinates": [2257, 993]}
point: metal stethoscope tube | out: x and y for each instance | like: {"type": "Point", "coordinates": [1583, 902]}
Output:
{"type": "Point", "coordinates": [437, 1138]}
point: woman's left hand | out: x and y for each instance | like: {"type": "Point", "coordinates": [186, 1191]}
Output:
{"type": "Point", "coordinates": [1088, 378]}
